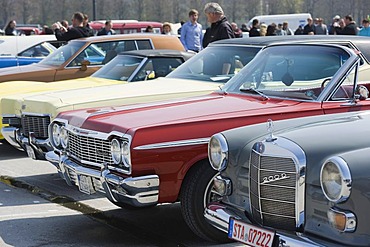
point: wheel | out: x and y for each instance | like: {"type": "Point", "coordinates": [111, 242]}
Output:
{"type": "Point", "coordinates": [196, 192]}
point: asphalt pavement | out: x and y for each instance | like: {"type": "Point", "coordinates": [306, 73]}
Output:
{"type": "Point", "coordinates": [37, 208]}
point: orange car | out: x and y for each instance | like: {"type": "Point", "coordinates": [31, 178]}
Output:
{"type": "Point", "coordinates": [82, 57]}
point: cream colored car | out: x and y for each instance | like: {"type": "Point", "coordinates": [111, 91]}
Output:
{"type": "Point", "coordinates": [128, 66]}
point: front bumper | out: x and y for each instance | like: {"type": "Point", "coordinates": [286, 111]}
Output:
{"type": "Point", "coordinates": [134, 191]}
{"type": "Point", "coordinates": [35, 147]}
{"type": "Point", "coordinates": [218, 215]}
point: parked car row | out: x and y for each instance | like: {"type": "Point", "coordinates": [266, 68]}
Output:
{"type": "Point", "coordinates": [148, 142]}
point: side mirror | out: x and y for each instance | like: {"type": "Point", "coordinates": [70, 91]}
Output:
{"type": "Point", "coordinates": [150, 75]}
{"type": "Point", "coordinates": [84, 65]}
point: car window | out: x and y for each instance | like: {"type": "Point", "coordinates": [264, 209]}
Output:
{"type": "Point", "coordinates": [144, 44]}
{"type": "Point", "coordinates": [217, 63]}
{"type": "Point", "coordinates": [62, 54]}
{"type": "Point", "coordinates": [35, 51]}
{"type": "Point", "coordinates": [157, 67]}
{"type": "Point", "coordinates": [289, 71]}
{"type": "Point", "coordinates": [120, 68]}
{"type": "Point", "coordinates": [93, 53]}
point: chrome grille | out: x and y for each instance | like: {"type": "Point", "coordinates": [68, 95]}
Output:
{"type": "Point", "coordinates": [37, 124]}
{"type": "Point", "coordinates": [84, 148]}
{"type": "Point", "coordinates": [274, 203]}
{"type": "Point", "coordinates": [12, 121]}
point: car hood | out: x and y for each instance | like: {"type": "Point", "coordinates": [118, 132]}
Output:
{"type": "Point", "coordinates": [208, 109]}
{"type": "Point", "coordinates": [341, 134]}
{"type": "Point", "coordinates": [12, 93]}
{"type": "Point", "coordinates": [122, 94]}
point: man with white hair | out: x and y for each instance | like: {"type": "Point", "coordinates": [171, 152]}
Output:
{"type": "Point", "coordinates": [220, 27]}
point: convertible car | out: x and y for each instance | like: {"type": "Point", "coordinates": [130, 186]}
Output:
{"type": "Point", "coordinates": [82, 57]}
{"type": "Point", "coordinates": [130, 66]}
{"type": "Point", "coordinates": [23, 50]}
{"type": "Point", "coordinates": [297, 182]}
{"type": "Point", "coordinates": [28, 116]}
{"type": "Point", "coordinates": [142, 155]}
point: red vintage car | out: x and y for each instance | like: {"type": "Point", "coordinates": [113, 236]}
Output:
{"type": "Point", "coordinates": [142, 155]}
{"type": "Point", "coordinates": [127, 26]}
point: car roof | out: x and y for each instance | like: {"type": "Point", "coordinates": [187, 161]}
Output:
{"type": "Point", "coordinates": [158, 53]}
{"type": "Point", "coordinates": [125, 36]}
{"type": "Point", "coordinates": [360, 42]}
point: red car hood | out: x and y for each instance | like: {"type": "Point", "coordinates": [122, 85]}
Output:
{"type": "Point", "coordinates": [212, 107]}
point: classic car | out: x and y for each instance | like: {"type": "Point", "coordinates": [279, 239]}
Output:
{"type": "Point", "coordinates": [130, 66]}
{"type": "Point", "coordinates": [145, 154]}
{"type": "Point", "coordinates": [22, 50]}
{"type": "Point", "coordinates": [82, 57]}
{"type": "Point", "coordinates": [29, 116]}
{"type": "Point", "coordinates": [127, 26]}
{"type": "Point", "coordinates": [296, 182]}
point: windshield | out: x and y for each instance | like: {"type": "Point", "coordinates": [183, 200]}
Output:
{"type": "Point", "coordinates": [119, 68]}
{"type": "Point", "coordinates": [136, 68]}
{"type": "Point", "coordinates": [216, 63]}
{"type": "Point", "coordinates": [293, 71]}
{"type": "Point", "coordinates": [62, 54]}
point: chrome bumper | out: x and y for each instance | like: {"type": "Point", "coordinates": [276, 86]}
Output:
{"type": "Point", "coordinates": [135, 191]}
{"type": "Point", "coordinates": [218, 215]}
{"type": "Point", "coordinates": [35, 148]}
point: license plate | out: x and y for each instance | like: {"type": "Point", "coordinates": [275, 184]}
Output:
{"type": "Point", "coordinates": [30, 152]}
{"type": "Point", "coordinates": [249, 234]}
{"type": "Point", "coordinates": [85, 184]}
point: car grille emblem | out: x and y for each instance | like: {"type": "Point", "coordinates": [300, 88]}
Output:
{"type": "Point", "coordinates": [277, 177]}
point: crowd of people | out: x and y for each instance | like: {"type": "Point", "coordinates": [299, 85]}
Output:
{"type": "Point", "coordinates": [339, 26]}
{"type": "Point", "coordinates": [191, 34]}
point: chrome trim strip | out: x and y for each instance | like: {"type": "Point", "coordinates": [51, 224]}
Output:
{"type": "Point", "coordinates": [35, 114]}
{"type": "Point", "coordinates": [172, 144]}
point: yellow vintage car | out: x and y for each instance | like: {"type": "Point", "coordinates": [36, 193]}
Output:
{"type": "Point", "coordinates": [29, 116]}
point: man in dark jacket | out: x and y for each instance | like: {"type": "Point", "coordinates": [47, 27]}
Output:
{"type": "Point", "coordinates": [254, 32]}
{"type": "Point", "coordinates": [107, 30]}
{"type": "Point", "coordinates": [220, 27]}
{"type": "Point", "coordinates": [76, 31]}
{"type": "Point", "coordinates": [351, 27]}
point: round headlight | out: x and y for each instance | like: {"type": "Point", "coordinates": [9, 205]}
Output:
{"type": "Point", "coordinates": [126, 153]}
{"type": "Point", "coordinates": [218, 152]}
{"type": "Point", "coordinates": [115, 148]}
{"type": "Point", "coordinates": [56, 134]}
{"type": "Point", "coordinates": [336, 181]}
{"type": "Point", "coordinates": [63, 137]}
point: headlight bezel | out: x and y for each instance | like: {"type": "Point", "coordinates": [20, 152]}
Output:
{"type": "Point", "coordinates": [217, 145]}
{"type": "Point", "coordinates": [116, 151]}
{"type": "Point", "coordinates": [344, 188]}
{"type": "Point", "coordinates": [126, 153]}
{"type": "Point", "coordinates": [64, 137]}
{"type": "Point", "coordinates": [55, 134]}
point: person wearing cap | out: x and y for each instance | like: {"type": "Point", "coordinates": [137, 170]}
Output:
{"type": "Point", "coordinates": [220, 27]}
{"type": "Point", "coordinates": [365, 30]}
{"type": "Point", "coordinates": [334, 25]}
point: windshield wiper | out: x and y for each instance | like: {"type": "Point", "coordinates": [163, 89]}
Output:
{"type": "Point", "coordinates": [253, 90]}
